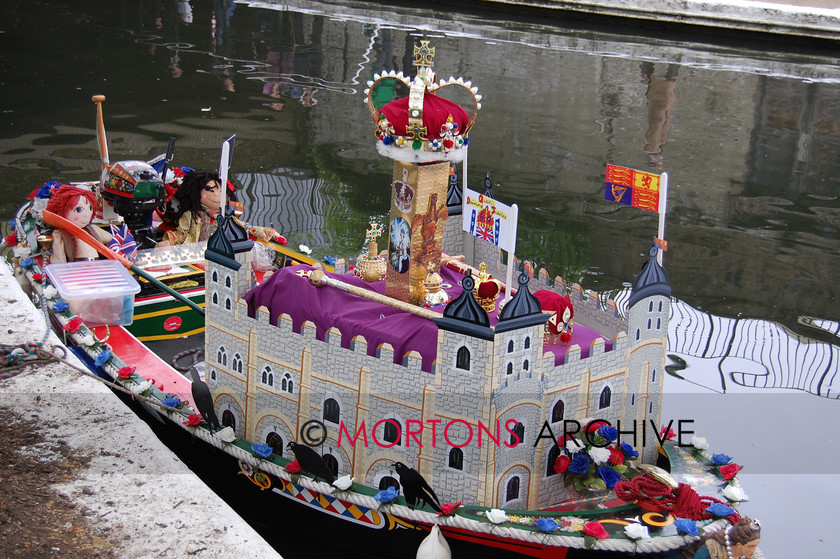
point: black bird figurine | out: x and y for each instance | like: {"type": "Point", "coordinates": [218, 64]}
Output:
{"type": "Point", "coordinates": [311, 462]}
{"type": "Point", "coordinates": [204, 401]}
{"type": "Point", "coordinates": [415, 487]}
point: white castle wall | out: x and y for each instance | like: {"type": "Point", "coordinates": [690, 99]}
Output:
{"type": "Point", "coordinates": [302, 373]}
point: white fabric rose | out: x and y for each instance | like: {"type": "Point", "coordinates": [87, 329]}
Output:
{"type": "Point", "coordinates": [227, 435]}
{"type": "Point", "coordinates": [305, 249]}
{"type": "Point", "coordinates": [699, 443]}
{"type": "Point", "coordinates": [496, 516]}
{"type": "Point", "coordinates": [734, 493]}
{"type": "Point", "coordinates": [637, 532]}
{"type": "Point", "coordinates": [599, 455]}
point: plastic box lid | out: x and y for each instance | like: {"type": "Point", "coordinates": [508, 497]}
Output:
{"type": "Point", "coordinates": [92, 279]}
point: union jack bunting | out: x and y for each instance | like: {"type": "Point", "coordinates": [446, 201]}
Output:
{"type": "Point", "coordinates": [123, 241]}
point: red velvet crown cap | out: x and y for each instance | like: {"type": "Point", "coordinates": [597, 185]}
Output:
{"type": "Point", "coordinates": [436, 111]}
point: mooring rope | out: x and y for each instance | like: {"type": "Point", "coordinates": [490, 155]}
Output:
{"type": "Point", "coordinates": [196, 352]}
{"type": "Point", "coordinates": [14, 358]}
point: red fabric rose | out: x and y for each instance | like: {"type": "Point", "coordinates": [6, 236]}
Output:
{"type": "Point", "coordinates": [293, 467]}
{"type": "Point", "coordinates": [37, 277]}
{"type": "Point", "coordinates": [729, 471]}
{"type": "Point", "coordinates": [562, 464]}
{"type": "Point", "coordinates": [596, 530]}
{"type": "Point", "coordinates": [448, 509]}
{"type": "Point", "coordinates": [193, 420]}
{"type": "Point", "coordinates": [616, 456]}
{"type": "Point", "coordinates": [669, 435]}
{"type": "Point", "coordinates": [593, 426]}
{"type": "Point", "coordinates": [125, 372]}
{"type": "Point", "coordinates": [74, 324]}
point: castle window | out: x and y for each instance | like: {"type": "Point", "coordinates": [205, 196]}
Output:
{"type": "Point", "coordinates": [650, 306]}
{"type": "Point", "coordinates": [512, 492]}
{"type": "Point", "coordinates": [553, 454]}
{"type": "Point", "coordinates": [236, 364]}
{"type": "Point", "coordinates": [510, 346]}
{"type": "Point", "coordinates": [462, 359]}
{"type": "Point", "coordinates": [653, 376]}
{"type": "Point", "coordinates": [332, 463]}
{"type": "Point", "coordinates": [660, 306]}
{"type": "Point", "coordinates": [633, 400]}
{"type": "Point", "coordinates": [287, 384]}
{"type": "Point", "coordinates": [558, 411]}
{"type": "Point", "coordinates": [658, 323]}
{"type": "Point", "coordinates": [510, 368]}
{"type": "Point", "coordinates": [650, 408]}
{"type": "Point", "coordinates": [215, 276]}
{"type": "Point", "coordinates": [637, 335]}
{"type": "Point", "coordinates": [266, 373]}
{"type": "Point", "coordinates": [456, 459]}
{"type": "Point", "coordinates": [525, 365]}
{"type": "Point", "coordinates": [649, 324]}
{"type": "Point", "coordinates": [227, 281]}
{"type": "Point", "coordinates": [213, 374]}
{"type": "Point", "coordinates": [275, 441]}
{"type": "Point", "coordinates": [604, 400]}
{"type": "Point", "coordinates": [517, 434]}
{"type": "Point", "coordinates": [228, 420]}
{"type": "Point", "coordinates": [392, 431]}
{"type": "Point", "coordinates": [221, 357]}
{"type": "Point", "coordinates": [227, 303]}
{"type": "Point", "coordinates": [215, 298]}
{"type": "Point", "coordinates": [527, 342]}
{"type": "Point", "coordinates": [270, 379]}
{"type": "Point", "coordinates": [387, 482]}
{"type": "Point", "coordinates": [332, 411]}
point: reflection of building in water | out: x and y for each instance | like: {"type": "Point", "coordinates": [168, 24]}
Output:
{"type": "Point", "coordinates": [750, 353]}
{"type": "Point", "coordinates": [660, 100]}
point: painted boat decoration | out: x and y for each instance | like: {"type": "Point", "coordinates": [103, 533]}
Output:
{"type": "Point", "coordinates": [425, 402]}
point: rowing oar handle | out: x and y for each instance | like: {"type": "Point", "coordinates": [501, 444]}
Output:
{"type": "Point", "coordinates": [100, 128]}
{"type": "Point", "coordinates": [55, 220]}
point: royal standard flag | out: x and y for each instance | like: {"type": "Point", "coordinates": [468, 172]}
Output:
{"type": "Point", "coordinates": [632, 188]}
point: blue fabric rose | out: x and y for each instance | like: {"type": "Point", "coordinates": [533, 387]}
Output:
{"type": "Point", "coordinates": [387, 495]}
{"type": "Point", "coordinates": [610, 476]}
{"type": "Point", "coordinates": [171, 401]}
{"type": "Point", "coordinates": [720, 459]}
{"type": "Point", "coordinates": [608, 432]}
{"type": "Point", "coordinates": [628, 451]}
{"type": "Point", "coordinates": [580, 463]}
{"type": "Point", "coordinates": [27, 263]}
{"type": "Point", "coordinates": [61, 306]}
{"type": "Point", "coordinates": [262, 450]}
{"type": "Point", "coordinates": [719, 509]}
{"type": "Point", "coordinates": [546, 524]}
{"type": "Point", "coordinates": [103, 357]}
{"type": "Point", "coordinates": [686, 526]}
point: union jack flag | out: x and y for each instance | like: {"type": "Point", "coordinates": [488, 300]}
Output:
{"type": "Point", "coordinates": [123, 241]}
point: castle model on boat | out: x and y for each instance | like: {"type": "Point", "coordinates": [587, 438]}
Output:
{"type": "Point", "coordinates": [449, 396]}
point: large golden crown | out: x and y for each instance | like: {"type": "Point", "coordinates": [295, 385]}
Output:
{"type": "Point", "coordinates": [422, 127]}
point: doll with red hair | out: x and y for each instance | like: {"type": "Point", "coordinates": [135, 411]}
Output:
{"type": "Point", "coordinates": [76, 205]}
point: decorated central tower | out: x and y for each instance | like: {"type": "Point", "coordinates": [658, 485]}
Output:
{"type": "Point", "coordinates": [423, 133]}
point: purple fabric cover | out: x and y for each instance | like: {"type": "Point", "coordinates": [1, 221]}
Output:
{"type": "Point", "coordinates": [285, 292]}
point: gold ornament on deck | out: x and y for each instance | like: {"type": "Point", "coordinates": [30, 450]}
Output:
{"type": "Point", "coordinates": [435, 294]}
{"type": "Point", "coordinates": [487, 289]}
{"type": "Point", "coordinates": [371, 267]}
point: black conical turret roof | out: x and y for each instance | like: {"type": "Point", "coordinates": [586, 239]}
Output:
{"type": "Point", "coordinates": [465, 315]}
{"type": "Point", "coordinates": [522, 310]}
{"type": "Point", "coordinates": [219, 248]}
{"type": "Point", "coordinates": [651, 281]}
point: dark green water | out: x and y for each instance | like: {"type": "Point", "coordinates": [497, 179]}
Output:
{"type": "Point", "coordinates": [748, 133]}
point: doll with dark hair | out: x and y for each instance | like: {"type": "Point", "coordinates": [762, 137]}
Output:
{"type": "Point", "coordinates": [190, 216]}
{"type": "Point", "coordinates": [738, 541]}
{"type": "Point", "coordinates": [76, 205]}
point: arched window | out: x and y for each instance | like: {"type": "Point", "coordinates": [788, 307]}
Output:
{"type": "Point", "coordinates": [558, 411]}
{"type": "Point", "coordinates": [525, 365]}
{"type": "Point", "coordinates": [510, 368]}
{"type": "Point", "coordinates": [332, 411]}
{"type": "Point", "coordinates": [332, 463]}
{"type": "Point", "coordinates": [227, 281]}
{"type": "Point", "coordinates": [392, 431]}
{"type": "Point", "coordinates": [215, 298]}
{"type": "Point", "coordinates": [228, 420]}
{"type": "Point", "coordinates": [660, 306]}
{"type": "Point", "coordinates": [527, 342]}
{"type": "Point", "coordinates": [650, 407]}
{"type": "Point", "coordinates": [215, 276]}
{"type": "Point", "coordinates": [287, 384]}
{"type": "Point", "coordinates": [633, 399]}
{"type": "Point", "coordinates": [266, 375]}
{"type": "Point", "coordinates": [462, 359]}
{"type": "Point", "coordinates": [512, 492]}
{"type": "Point", "coordinates": [236, 364]}
{"type": "Point", "coordinates": [553, 454]}
{"type": "Point", "coordinates": [510, 346]}
{"type": "Point", "coordinates": [650, 306]}
{"type": "Point", "coordinates": [456, 459]}
{"type": "Point", "coordinates": [227, 303]}
{"type": "Point", "coordinates": [606, 396]}
{"type": "Point", "coordinates": [213, 374]}
{"type": "Point", "coordinates": [270, 379]}
{"type": "Point", "coordinates": [637, 335]}
{"type": "Point", "coordinates": [649, 324]}
{"type": "Point", "coordinates": [275, 441]}
{"type": "Point", "coordinates": [658, 323]}
{"type": "Point", "coordinates": [653, 376]}
{"type": "Point", "coordinates": [518, 431]}
{"type": "Point", "coordinates": [221, 357]}
{"type": "Point", "coordinates": [387, 482]}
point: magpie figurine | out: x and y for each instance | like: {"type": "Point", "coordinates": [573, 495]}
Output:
{"type": "Point", "coordinates": [204, 400]}
{"type": "Point", "coordinates": [311, 462]}
{"type": "Point", "coordinates": [415, 487]}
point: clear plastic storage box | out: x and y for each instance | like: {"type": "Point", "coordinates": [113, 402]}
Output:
{"type": "Point", "coordinates": [99, 291]}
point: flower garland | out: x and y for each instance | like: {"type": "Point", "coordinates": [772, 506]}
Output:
{"type": "Point", "coordinates": [598, 465]}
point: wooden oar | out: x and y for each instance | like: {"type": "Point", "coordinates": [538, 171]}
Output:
{"type": "Point", "coordinates": [100, 136]}
{"type": "Point", "coordinates": [55, 220]}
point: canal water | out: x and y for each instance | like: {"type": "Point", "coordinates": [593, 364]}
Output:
{"type": "Point", "coordinates": [748, 133]}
